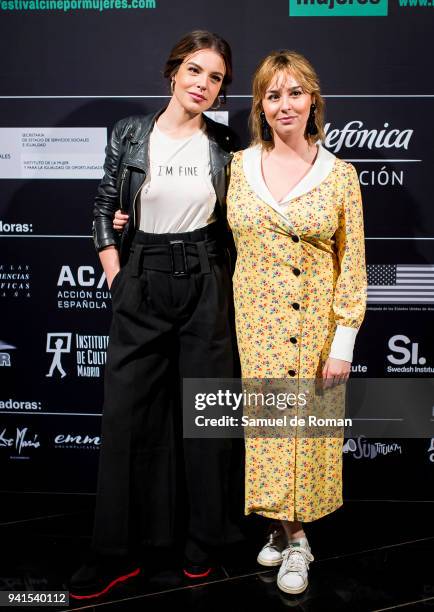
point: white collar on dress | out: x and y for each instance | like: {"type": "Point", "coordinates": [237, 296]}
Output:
{"type": "Point", "coordinates": [321, 168]}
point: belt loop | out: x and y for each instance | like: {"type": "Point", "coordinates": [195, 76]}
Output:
{"type": "Point", "coordinates": [137, 261]}
{"type": "Point", "coordinates": [203, 257]}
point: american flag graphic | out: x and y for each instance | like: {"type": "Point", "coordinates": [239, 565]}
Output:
{"type": "Point", "coordinates": [401, 283]}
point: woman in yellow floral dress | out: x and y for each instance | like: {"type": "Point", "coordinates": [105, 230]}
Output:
{"type": "Point", "coordinates": [300, 290]}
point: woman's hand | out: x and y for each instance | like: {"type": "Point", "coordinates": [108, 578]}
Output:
{"type": "Point", "coordinates": [109, 258]}
{"type": "Point", "coordinates": [119, 220]}
{"type": "Point", "coordinates": [335, 372]}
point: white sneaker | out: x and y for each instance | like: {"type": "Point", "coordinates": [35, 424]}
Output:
{"type": "Point", "coordinates": [270, 554]}
{"type": "Point", "coordinates": [292, 576]}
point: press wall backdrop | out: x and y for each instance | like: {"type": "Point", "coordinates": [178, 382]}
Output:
{"type": "Point", "coordinates": [70, 69]}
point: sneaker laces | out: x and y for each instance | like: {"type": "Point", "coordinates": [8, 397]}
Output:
{"type": "Point", "coordinates": [273, 538]}
{"type": "Point", "coordinates": [295, 559]}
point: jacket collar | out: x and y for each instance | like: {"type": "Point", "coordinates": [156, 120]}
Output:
{"type": "Point", "coordinates": [219, 158]}
{"type": "Point", "coordinates": [138, 142]}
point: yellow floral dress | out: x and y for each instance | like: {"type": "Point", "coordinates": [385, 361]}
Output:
{"type": "Point", "coordinates": [300, 274]}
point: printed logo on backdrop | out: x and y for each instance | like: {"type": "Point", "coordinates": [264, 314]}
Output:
{"type": "Point", "coordinates": [77, 441]}
{"type": "Point", "coordinates": [381, 142]}
{"type": "Point", "coordinates": [409, 285]}
{"type": "Point", "coordinates": [406, 356]}
{"type": "Point", "coordinates": [350, 8]}
{"type": "Point", "coordinates": [338, 8]}
{"type": "Point", "coordinates": [76, 5]}
{"type": "Point", "coordinates": [82, 288]}
{"type": "Point", "coordinates": [359, 368]}
{"type": "Point", "coordinates": [88, 353]}
{"type": "Point", "coordinates": [361, 448]}
{"type": "Point", "coordinates": [19, 441]}
{"type": "Point", "coordinates": [15, 280]}
{"type": "Point", "coordinates": [52, 152]}
{"type": "Point", "coordinates": [430, 450]}
{"type": "Point", "coordinates": [58, 345]}
{"type": "Point", "coordinates": [5, 355]}
{"type": "Point", "coordinates": [409, 4]}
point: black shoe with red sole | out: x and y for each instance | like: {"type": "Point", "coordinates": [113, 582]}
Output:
{"type": "Point", "coordinates": [95, 579]}
{"type": "Point", "coordinates": [195, 572]}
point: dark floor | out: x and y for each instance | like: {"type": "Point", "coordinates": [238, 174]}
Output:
{"type": "Point", "coordinates": [369, 555]}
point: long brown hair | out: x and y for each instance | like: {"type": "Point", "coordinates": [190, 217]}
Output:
{"type": "Point", "coordinates": [295, 63]}
{"type": "Point", "coordinates": [195, 41]}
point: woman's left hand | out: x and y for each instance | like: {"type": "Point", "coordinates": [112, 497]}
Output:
{"type": "Point", "coordinates": [335, 372]}
{"type": "Point", "coordinates": [120, 220]}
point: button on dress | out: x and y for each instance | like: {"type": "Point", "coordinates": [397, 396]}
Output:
{"type": "Point", "coordinates": [300, 272]}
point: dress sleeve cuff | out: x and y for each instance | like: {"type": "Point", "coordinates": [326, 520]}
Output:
{"type": "Point", "coordinates": [343, 343]}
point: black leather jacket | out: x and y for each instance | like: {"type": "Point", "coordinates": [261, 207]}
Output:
{"type": "Point", "coordinates": [125, 168]}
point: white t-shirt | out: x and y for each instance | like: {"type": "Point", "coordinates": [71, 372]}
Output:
{"type": "Point", "coordinates": [178, 195]}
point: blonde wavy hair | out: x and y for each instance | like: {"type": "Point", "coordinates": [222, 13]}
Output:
{"type": "Point", "coordinates": [301, 69]}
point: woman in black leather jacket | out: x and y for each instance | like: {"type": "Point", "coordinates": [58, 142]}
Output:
{"type": "Point", "coordinates": [171, 291]}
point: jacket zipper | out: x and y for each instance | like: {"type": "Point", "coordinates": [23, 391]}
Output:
{"type": "Point", "coordinates": [130, 137]}
{"type": "Point", "coordinates": [124, 173]}
{"type": "Point", "coordinates": [134, 201]}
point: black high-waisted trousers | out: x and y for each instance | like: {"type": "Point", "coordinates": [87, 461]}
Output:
{"type": "Point", "coordinates": [171, 319]}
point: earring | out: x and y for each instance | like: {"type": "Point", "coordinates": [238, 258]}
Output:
{"type": "Point", "coordinates": [172, 85]}
{"type": "Point", "coordinates": [311, 127]}
{"type": "Point", "coordinates": [214, 108]}
{"type": "Point", "coordinates": [265, 128]}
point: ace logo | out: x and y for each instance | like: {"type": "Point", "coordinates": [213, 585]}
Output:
{"type": "Point", "coordinates": [82, 288]}
{"type": "Point", "coordinates": [83, 276]}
